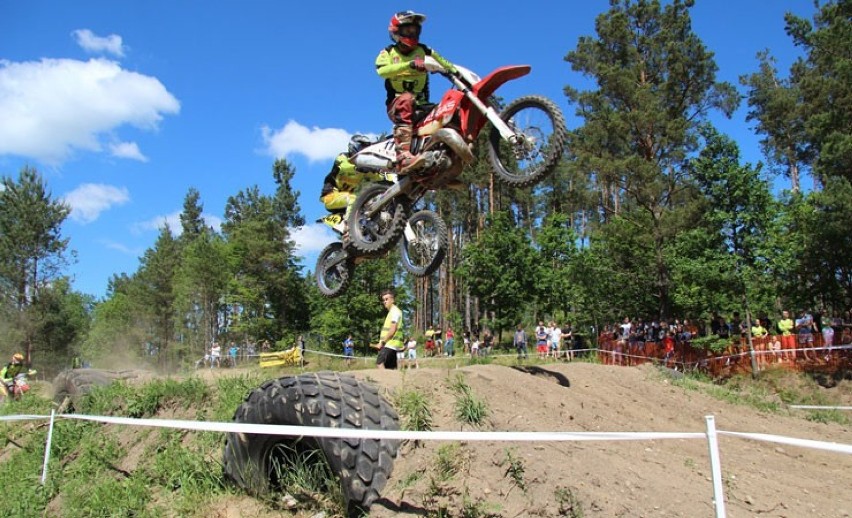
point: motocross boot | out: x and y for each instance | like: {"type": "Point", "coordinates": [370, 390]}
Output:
{"type": "Point", "coordinates": [406, 162]}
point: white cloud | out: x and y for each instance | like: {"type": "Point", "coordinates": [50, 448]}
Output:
{"type": "Point", "coordinates": [89, 200]}
{"type": "Point", "coordinates": [212, 221]}
{"type": "Point", "coordinates": [124, 249]}
{"type": "Point", "coordinates": [52, 107]}
{"type": "Point", "coordinates": [91, 43]}
{"type": "Point", "coordinates": [156, 223]}
{"type": "Point", "coordinates": [127, 150]}
{"type": "Point", "coordinates": [314, 143]}
{"type": "Point", "coordinates": [311, 239]}
{"type": "Point", "coordinates": [173, 222]}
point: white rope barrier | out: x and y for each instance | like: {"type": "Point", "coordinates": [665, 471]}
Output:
{"type": "Point", "coordinates": [711, 435]}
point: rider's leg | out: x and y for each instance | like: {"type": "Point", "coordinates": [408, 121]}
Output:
{"type": "Point", "coordinates": [401, 112]}
{"type": "Point", "coordinates": [337, 200]}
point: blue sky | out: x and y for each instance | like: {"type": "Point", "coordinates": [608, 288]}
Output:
{"type": "Point", "coordinates": [123, 106]}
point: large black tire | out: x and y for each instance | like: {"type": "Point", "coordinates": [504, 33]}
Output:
{"type": "Point", "coordinates": [541, 150]}
{"type": "Point", "coordinates": [326, 399]}
{"type": "Point", "coordinates": [332, 279]}
{"type": "Point", "coordinates": [377, 234]}
{"type": "Point", "coordinates": [422, 256]}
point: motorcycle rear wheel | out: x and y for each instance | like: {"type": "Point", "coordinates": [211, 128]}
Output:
{"type": "Point", "coordinates": [541, 127]}
{"type": "Point", "coordinates": [376, 234]}
{"type": "Point", "coordinates": [332, 279]}
{"type": "Point", "coordinates": [423, 255]}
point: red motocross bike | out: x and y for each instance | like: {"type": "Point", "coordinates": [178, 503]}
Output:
{"type": "Point", "coordinates": [524, 146]}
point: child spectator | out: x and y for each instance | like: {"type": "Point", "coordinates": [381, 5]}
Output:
{"type": "Point", "coordinates": [541, 340]}
{"type": "Point", "coordinates": [411, 350]}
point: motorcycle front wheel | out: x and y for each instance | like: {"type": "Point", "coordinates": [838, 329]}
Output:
{"type": "Point", "coordinates": [334, 270]}
{"type": "Point", "coordinates": [424, 243]}
{"type": "Point", "coordinates": [536, 150]}
{"type": "Point", "coordinates": [372, 233]}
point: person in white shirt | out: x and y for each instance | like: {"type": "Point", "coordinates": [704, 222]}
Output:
{"type": "Point", "coordinates": [411, 349]}
{"type": "Point", "coordinates": [555, 339]}
{"type": "Point", "coordinates": [215, 355]}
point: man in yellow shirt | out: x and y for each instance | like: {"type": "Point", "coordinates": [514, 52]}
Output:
{"type": "Point", "coordinates": [390, 337]}
{"type": "Point", "coordinates": [788, 340]}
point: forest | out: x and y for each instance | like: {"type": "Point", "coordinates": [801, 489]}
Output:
{"type": "Point", "coordinates": [651, 213]}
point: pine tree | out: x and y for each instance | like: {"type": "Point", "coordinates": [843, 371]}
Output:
{"type": "Point", "coordinates": [656, 82]}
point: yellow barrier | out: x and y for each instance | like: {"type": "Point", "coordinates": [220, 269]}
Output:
{"type": "Point", "coordinates": [291, 356]}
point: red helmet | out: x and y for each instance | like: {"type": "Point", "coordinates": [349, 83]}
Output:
{"type": "Point", "coordinates": [405, 28]}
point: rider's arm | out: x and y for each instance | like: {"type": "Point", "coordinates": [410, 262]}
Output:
{"type": "Point", "coordinates": [386, 69]}
{"type": "Point", "coordinates": [3, 373]}
{"type": "Point", "coordinates": [449, 67]}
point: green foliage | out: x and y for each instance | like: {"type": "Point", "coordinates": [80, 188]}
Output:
{"type": "Point", "coordinates": [133, 401]}
{"type": "Point", "coordinates": [515, 469]}
{"type": "Point", "coordinates": [568, 503]}
{"type": "Point", "coordinates": [823, 78]}
{"type": "Point", "coordinates": [499, 268]}
{"type": "Point", "coordinates": [449, 461]}
{"type": "Point", "coordinates": [710, 343]}
{"type": "Point", "coordinates": [178, 467]}
{"type": "Point", "coordinates": [200, 285]}
{"type": "Point", "coordinates": [656, 84]}
{"type": "Point", "coordinates": [358, 310]}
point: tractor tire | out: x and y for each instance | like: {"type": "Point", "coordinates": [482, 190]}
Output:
{"type": "Point", "coordinates": [324, 399]}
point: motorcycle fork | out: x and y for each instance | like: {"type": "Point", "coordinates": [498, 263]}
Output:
{"type": "Point", "coordinates": [488, 111]}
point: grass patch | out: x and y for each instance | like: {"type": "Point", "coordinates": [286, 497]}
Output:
{"type": "Point", "coordinates": [772, 392]}
{"type": "Point", "coordinates": [469, 409]}
{"type": "Point", "coordinates": [567, 503]}
{"type": "Point", "coordinates": [307, 477]}
{"type": "Point", "coordinates": [449, 461]}
{"type": "Point", "coordinates": [413, 408]}
{"type": "Point", "coordinates": [133, 400]}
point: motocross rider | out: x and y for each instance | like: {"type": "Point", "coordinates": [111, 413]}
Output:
{"type": "Point", "coordinates": [13, 368]}
{"type": "Point", "coordinates": [402, 67]}
{"type": "Point", "coordinates": [338, 187]}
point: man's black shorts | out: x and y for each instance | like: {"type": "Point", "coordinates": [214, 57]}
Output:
{"type": "Point", "coordinates": [387, 357]}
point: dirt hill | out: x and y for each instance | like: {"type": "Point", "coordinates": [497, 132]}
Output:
{"type": "Point", "coordinates": [602, 479]}
{"type": "Point", "coordinates": [629, 478]}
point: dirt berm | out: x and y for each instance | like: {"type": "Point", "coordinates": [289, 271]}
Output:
{"type": "Point", "coordinates": [625, 478]}
{"type": "Point", "coordinates": [643, 478]}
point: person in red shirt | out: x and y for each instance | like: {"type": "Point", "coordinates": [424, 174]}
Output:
{"type": "Point", "coordinates": [668, 347]}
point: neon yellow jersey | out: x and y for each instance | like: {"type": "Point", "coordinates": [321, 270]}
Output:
{"type": "Point", "coordinates": [394, 316]}
{"type": "Point", "coordinates": [395, 68]}
{"type": "Point", "coordinates": [758, 331]}
{"type": "Point", "coordinates": [348, 178]}
{"type": "Point", "coordinates": [785, 326]}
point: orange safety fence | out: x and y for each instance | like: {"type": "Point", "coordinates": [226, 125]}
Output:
{"type": "Point", "coordinates": [787, 352]}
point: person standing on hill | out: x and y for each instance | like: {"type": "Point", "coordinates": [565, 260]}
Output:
{"type": "Point", "coordinates": [520, 342]}
{"type": "Point", "coordinates": [390, 337]}
{"type": "Point", "coordinates": [448, 344]}
{"type": "Point", "coordinates": [788, 339]}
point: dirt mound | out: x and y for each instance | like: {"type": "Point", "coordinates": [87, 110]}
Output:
{"type": "Point", "coordinates": [618, 478]}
